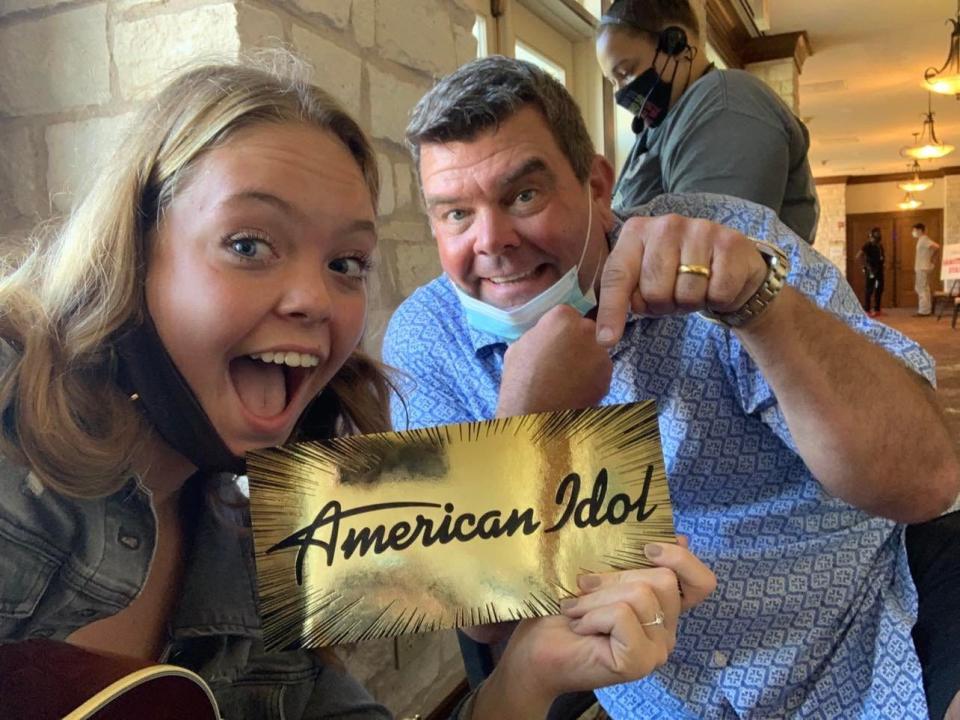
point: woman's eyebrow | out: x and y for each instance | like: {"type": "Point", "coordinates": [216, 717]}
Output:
{"type": "Point", "coordinates": [275, 201]}
{"type": "Point", "coordinates": [264, 197]}
{"type": "Point", "coordinates": [360, 226]}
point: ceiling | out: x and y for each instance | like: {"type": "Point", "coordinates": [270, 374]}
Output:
{"type": "Point", "coordinates": [861, 91]}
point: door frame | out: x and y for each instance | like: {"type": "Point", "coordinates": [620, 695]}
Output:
{"type": "Point", "coordinates": [928, 216]}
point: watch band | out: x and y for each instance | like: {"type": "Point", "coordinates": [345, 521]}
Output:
{"type": "Point", "coordinates": [778, 266]}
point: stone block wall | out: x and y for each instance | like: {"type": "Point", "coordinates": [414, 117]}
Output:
{"type": "Point", "coordinates": [831, 240]}
{"type": "Point", "coordinates": [951, 210]}
{"type": "Point", "coordinates": [73, 72]}
{"type": "Point", "coordinates": [783, 77]}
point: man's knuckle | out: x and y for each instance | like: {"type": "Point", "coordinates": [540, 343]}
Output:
{"type": "Point", "coordinates": [724, 290]}
{"type": "Point", "coordinates": [688, 300]}
{"type": "Point", "coordinates": [614, 274]}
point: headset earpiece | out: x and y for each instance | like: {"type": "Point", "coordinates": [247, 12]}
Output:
{"type": "Point", "coordinates": [672, 41]}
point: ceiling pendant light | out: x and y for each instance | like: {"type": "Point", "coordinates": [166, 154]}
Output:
{"type": "Point", "coordinates": [927, 146]}
{"type": "Point", "coordinates": [946, 80]}
{"type": "Point", "coordinates": [915, 184]}
{"type": "Point", "coordinates": [909, 202]}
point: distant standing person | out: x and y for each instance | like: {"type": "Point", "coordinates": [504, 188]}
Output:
{"type": "Point", "coordinates": [873, 260]}
{"type": "Point", "coordinates": [923, 264]}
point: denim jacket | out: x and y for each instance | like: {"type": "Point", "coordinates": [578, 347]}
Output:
{"type": "Point", "coordinates": [66, 562]}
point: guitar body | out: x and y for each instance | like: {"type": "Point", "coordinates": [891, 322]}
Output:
{"type": "Point", "coordinates": [48, 680]}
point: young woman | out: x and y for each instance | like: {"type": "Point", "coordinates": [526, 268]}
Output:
{"type": "Point", "coordinates": [207, 298]}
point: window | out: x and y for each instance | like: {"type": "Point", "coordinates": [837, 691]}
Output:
{"type": "Point", "coordinates": [480, 33]}
{"type": "Point", "coordinates": [592, 6]}
{"type": "Point", "coordinates": [527, 53]}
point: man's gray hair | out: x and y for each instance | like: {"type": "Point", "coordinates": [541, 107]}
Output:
{"type": "Point", "coordinates": [486, 92]}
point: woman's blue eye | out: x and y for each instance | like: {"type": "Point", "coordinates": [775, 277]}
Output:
{"type": "Point", "coordinates": [354, 267]}
{"type": "Point", "coordinates": [250, 248]}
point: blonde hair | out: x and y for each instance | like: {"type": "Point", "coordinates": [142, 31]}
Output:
{"type": "Point", "coordinates": [63, 414]}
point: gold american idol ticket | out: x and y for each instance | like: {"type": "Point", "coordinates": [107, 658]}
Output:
{"type": "Point", "coordinates": [379, 535]}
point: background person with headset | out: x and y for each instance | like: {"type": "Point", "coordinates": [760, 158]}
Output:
{"type": "Point", "coordinates": [703, 129]}
{"type": "Point", "coordinates": [700, 128]}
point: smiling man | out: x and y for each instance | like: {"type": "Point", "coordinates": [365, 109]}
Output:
{"type": "Point", "coordinates": [759, 408]}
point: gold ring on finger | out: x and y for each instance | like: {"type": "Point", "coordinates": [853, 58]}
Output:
{"type": "Point", "coordinates": [702, 270]}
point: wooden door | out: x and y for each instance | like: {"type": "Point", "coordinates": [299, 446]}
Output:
{"type": "Point", "coordinates": [898, 248]}
{"type": "Point", "coordinates": [858, 233]}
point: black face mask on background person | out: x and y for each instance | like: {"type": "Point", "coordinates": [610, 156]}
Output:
{"type": "Point", "coordinates": [647, 96]}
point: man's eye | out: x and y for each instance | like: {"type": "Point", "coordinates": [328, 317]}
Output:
{"type": "Point", "coordinates": [456, 215]}
{"type": "Point", "coordinates": [526, 196]}
{"type": "Point", "coordinates": [354, 267]}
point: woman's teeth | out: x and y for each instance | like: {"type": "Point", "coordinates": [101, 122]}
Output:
{"type": "Point", "coordinates": [293, 359]}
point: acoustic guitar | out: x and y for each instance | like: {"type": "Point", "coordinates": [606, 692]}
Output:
{"type": "Point", "coordinates": [48, 680]}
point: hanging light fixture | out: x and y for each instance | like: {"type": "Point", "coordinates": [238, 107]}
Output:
{"type": "Point", "coordinates": [926, 146]}
{"type": "Point", "coordinates": [915, 184]}
{"type": "Point", "coordinates": [946, 80]}
{"type": "Point", "coordinates": [909, 202]}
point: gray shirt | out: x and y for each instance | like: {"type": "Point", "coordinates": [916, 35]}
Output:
{"type": "Point", "coordinates": [729, 134]}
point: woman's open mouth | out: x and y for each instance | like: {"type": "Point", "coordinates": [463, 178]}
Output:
{"type": "Point", "coordinates": [267, 382]}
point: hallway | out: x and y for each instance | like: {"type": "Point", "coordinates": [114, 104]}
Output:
{"type": "Point", "coordinates": [944, 344]}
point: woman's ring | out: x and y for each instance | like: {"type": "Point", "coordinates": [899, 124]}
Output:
{"type": "Point", "coordinates": [657, 620]}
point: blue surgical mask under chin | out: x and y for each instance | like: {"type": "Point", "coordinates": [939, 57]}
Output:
{"type": "Point", "coordinates": [509, 325]}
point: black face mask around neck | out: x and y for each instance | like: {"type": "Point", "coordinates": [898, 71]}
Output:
{"type": "Point", "coordinates": [147, 369]}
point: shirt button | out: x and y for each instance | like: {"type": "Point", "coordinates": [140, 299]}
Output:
{"type": "Point", "coordinates": [131, 542]}
{"type": "Point", "coordinates": [719, 659]}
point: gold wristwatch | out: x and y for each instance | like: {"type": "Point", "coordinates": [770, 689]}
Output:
{"type": "Point", "coordinates": [778, 266]}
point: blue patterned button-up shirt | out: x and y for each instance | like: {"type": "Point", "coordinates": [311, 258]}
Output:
{"type": "Point", "coordinates": [814, 604]}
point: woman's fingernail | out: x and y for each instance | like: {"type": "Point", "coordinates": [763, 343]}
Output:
{"type": "Point", "coordinates": [588, 582]}
{"type": "Point", "coordinates": [568, 604]}
{"type": "Point", "coordinates": [652, 550]}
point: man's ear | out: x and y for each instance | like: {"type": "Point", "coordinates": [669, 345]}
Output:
{"type": "Point", "coordinates": [601, 190]}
